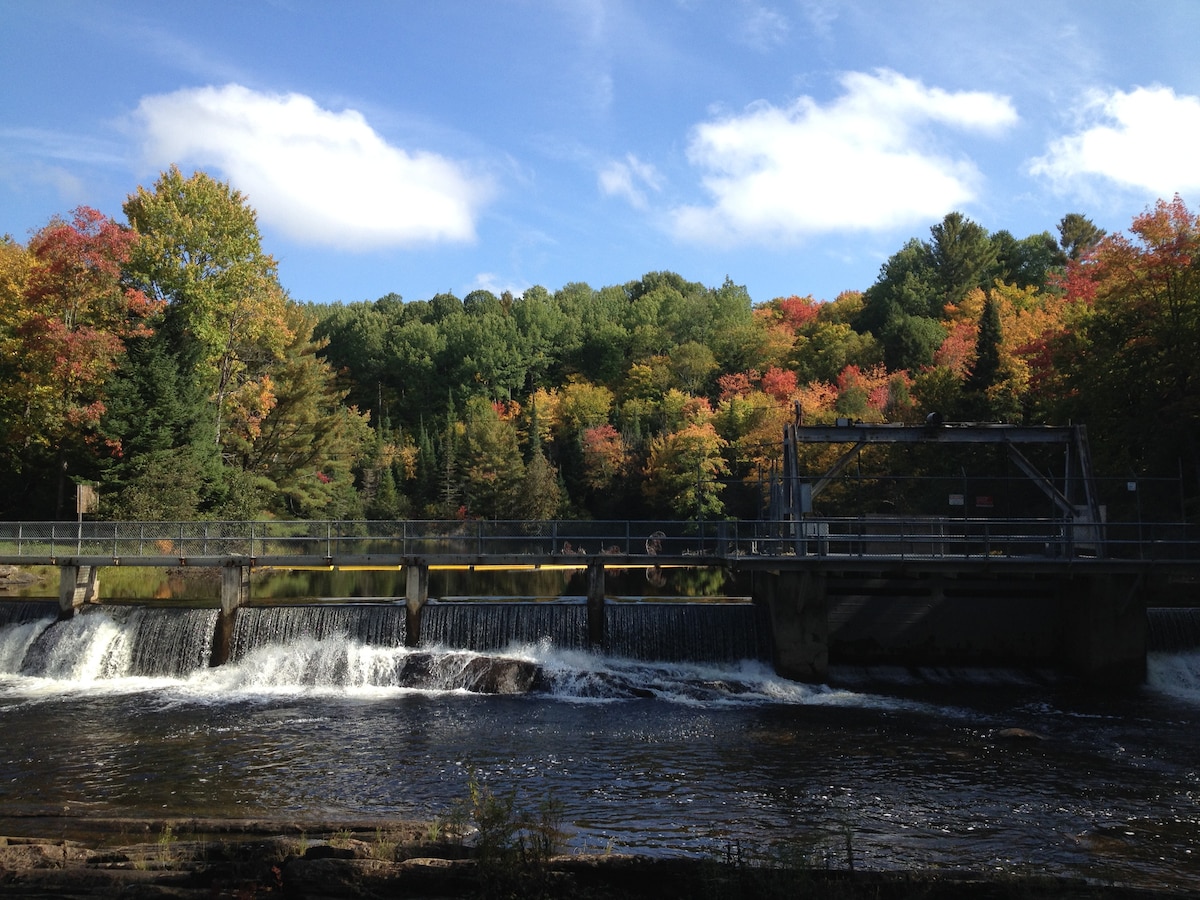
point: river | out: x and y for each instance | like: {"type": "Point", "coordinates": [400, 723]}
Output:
{"type": "Point", "coordinates": [991, 771]}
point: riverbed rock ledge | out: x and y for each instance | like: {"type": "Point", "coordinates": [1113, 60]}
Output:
{"type": "Point", "coordinates": [334, 865]}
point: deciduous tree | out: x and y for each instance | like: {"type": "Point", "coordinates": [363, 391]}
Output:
{"type": "Point", "coordinates": [66, 334]}
{"type": "Point", "coordinates": [200, 251]}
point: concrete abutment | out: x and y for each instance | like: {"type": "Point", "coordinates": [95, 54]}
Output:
{"type": "Point", "coordinates": [235, 593]}
{"type": "Point", "coordinates": [77, 585]}
{"type": "Point", "coordinates": [595, 604]}
{"type": "Point", "coordinates": [798, 608]}
{"type": "Point", "coordinates": [1089, 626]}
{"type": "Point", "coordinates": [416, 595]}
{"type": "Point", "coordinates": [1105, 628]}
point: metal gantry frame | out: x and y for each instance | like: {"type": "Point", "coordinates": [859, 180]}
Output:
{"type": "Point", "coordinates": [1076, 503]}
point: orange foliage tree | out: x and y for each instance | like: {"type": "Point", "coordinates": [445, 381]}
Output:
{"type": "Point", "coordinates": [66, 333]}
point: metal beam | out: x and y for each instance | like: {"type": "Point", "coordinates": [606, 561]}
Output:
{"type": "Point", "coordinates": [934, 434]}
{"type": "Point", "coordinates": [1040, 481]}
{"type": "Point", "coordinates": [836, 469]}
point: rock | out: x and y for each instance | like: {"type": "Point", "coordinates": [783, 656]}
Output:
{"type": "Point", "coordinates": [481, 674]}
{"type": "Point", "coordinates": [15, 577]}
{"type": "Point", "coordinates": [336, 878]}
{"type": "Point", "coordinates": [327, 851]}
{"type": "Point", "coordinates": [499, 675]}
{"type": "Point", "coordinates": [1020, 734]}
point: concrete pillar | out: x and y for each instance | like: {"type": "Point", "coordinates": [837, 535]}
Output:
{"type": "Point", "coordinates": [235, 593]}
{"type": "Point", "coordinates": [1104, 628]}
{"type": "Point", "coordinates": [595, 604]}
{"type": "Point", "coordinates": [799, 613]}
{"type": "Point", "coordinates": [416, 595]}
{"type": "Point", "coordinates": [77, 585]}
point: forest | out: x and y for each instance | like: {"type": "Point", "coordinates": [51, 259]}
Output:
{"type": "Point", "coordinates": [158, 359]}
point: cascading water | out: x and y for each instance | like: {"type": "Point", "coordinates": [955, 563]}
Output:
{"type": "Point", "coordinates": [112, 642]}
{"type": "Point", "coordinates": [375, 624]}
{"type": "Point", "coordinates": [685, 632]}
{"type": "Point", "coordinates": [1172, 629]}
{"type": "Point", "coordinates": [483, 625]}
{"type": "Point", "coordinates": [27, 611]}
{"type": "Point", "coordinates": [476, 646]}
{"type": "Point", "coordinates": [1173, 660]}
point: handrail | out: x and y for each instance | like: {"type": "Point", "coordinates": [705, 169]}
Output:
{"type": "Point", "coordinates": [848, 537]}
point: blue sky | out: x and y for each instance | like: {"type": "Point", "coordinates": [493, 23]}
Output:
{"type": "Point", "coordinates": [418, 147]}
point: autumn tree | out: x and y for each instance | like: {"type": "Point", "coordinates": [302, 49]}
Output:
{"type": "Point", "coordinates": [683, 475]}
{"type": "Point", "coordinates": [15, 263]}
{"type": "Point", "coordinates": [200, 252]}
{"type": "Point", "coordinates": [541, 496]}
{"type": "Point", "coordinates": [491, 464]}
{"type": "Point", "coordinates": [66, 333]}
{"type": "Point", "coordinates": [1135, 377]}
{"type": "Point", "coordinates": [306, 441]}
{"type": "Point", "coordinates": [607, 460]}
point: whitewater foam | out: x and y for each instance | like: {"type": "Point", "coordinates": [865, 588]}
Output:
{"type": "Point", "coordinates": [1175, 674]}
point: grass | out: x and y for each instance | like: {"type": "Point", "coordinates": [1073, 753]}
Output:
{"type": "Point", "coordinates": [510, 843]}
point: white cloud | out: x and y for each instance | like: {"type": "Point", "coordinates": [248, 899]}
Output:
{"type": "Point", "coordinates": [490, 281]}
{"type": "Point", "coordinates": [321, 177]}
{"type": "Point", "coordinates": [764, 29]}
{"type": "Point", "coordinates": [1145, 139]}
{"type": "Point", "coordinates": [865, 161]}
{"type": "Point", "coordinates": [627, 178]}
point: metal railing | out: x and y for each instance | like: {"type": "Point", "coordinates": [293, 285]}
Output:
{"type": "Point", "coordinates": [860, 537]}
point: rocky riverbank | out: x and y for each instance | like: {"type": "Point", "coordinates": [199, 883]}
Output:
{"type": "Point", "coordinates": [220, 859]}
{"type": "Point", "coordinates": [13, 578]}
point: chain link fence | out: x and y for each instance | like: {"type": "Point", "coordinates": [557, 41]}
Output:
{"type": "Point", "coordinates": [573, 541]}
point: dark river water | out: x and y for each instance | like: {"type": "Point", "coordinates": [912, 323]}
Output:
{"type": "Point", "coordinates": [980, 770]}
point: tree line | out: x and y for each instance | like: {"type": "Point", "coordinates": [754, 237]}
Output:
{"type": "Point", "coordinates": [160, 360]}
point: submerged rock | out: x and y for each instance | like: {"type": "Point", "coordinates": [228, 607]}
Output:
{"type": "Point", "coordinates": [1019, 734]}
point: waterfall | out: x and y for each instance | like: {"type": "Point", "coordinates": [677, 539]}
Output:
{"type": "Point", "coordinates": [20, 625]}
{"type": "Point", "coordinates": [13, 612]}
{"type": "Point", "coordinates": [171, 642]}
{"type": "Point", "coordinates": [481, 625]}
{"type": "Point", "coordinates": [364, 643]}
{"type": "Point", "coordinates": [1173, 629]}
{"type": "Point", "coordinates": [120, 642]}
{"type": "Point", "coordinates": [375, 624]}
{"type": "Point", "coordinates": [685, 632]}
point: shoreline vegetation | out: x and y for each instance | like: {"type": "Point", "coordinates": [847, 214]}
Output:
{"type": "Point", "coordinates": [155, 389]}
{"type": "Point", "coordinates": [209, 858]}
